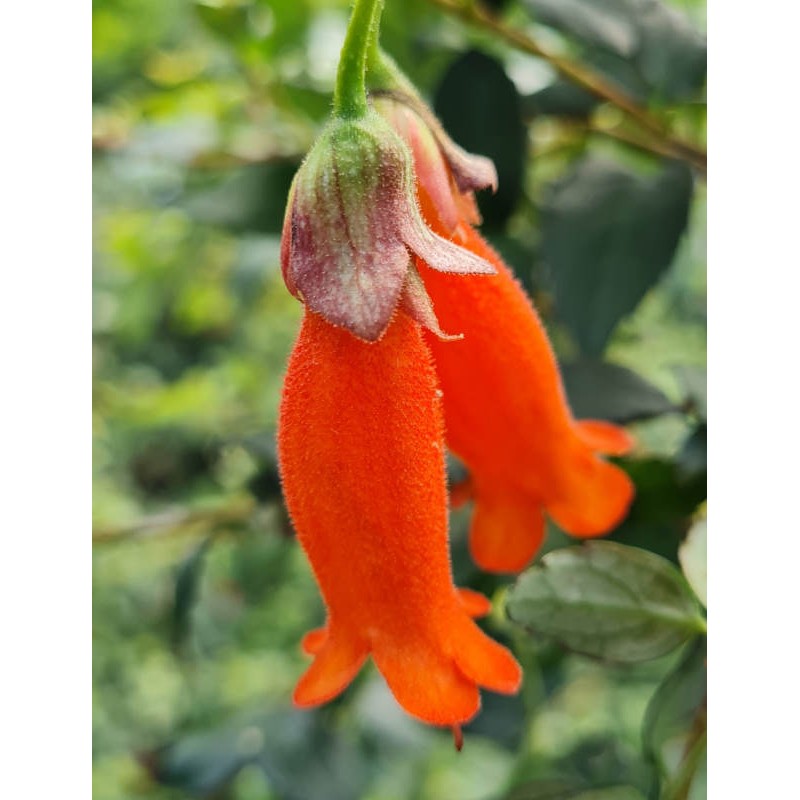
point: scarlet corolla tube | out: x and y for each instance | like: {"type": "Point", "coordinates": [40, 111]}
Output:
{"type": "Point", "coordinates": [362, 463]}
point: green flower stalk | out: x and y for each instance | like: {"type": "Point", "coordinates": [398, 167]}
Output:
{"type": "Point", "coordinates": [352, 222]}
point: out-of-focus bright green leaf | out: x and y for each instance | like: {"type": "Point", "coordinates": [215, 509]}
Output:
{"type": "Point", "coordinates": [692, 555]}
{"type": "Point", "coordinates": [608, 234]}
{"type": "Point", "coordinates": [226, 20]}
{"type": "Point", "coordinates": [607, 601]}
{"type": "Point", "coordinates": [599, 390]}
{"type": "Point", "coordinates": [481, 109]}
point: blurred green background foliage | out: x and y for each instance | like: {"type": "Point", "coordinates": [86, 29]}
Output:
{"type": "Point", "coordinates": [202, 111]}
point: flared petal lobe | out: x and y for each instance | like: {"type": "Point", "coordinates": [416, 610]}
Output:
{"type": "Point", "coordinates": [506, 413]}
{"type": "Point", "coordinates": [362, 464]}
{"type": "Point", "coordinates": [508, 419]}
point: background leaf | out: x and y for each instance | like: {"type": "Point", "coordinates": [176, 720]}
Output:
{"type": "Point", "coordinates": [694, 381]}
{"type": "Point", "coordinates": [630, 227]}
{"type": "Point", "coordinates": [677, 704]}
{"type": "Point", "coordinates": [202, 110]}
{"type": "Point", "coordinates": [607, 601]}
{"type": "Point", "coordinates": [187, 584]}
{"type": "Point", "coordinates": [693, 456]}
{"type": "Point", "coordinates": [299, 752]}
{"type": "Point", "coordinates": [599, 390]}
{"type": "Point", "coordinates": [481, 109]}
{"type": "Point", "coordinates": [656, 41]}
{"type": "Point", "coordinates": [692, 555]}
{"type": "Point", "coordinates": [558, 790]}
{"type": "Point", "coordinates": [666, 498]}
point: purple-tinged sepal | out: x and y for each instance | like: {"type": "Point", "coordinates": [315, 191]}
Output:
{"type": "Point", "coordinates": [471, 172]}
{"type": "Point", "coordinates": [351, 225]}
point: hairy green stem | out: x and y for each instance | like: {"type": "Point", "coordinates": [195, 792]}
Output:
{"type": "Point", "coordinates": [349, 97]}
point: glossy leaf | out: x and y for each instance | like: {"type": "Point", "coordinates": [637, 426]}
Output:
{"type": "Point", "coordinates": [599, 390]}
{"type": "Point", "coordinates": [657, 41]}
{"type": "Point", "coordinates": [608, 601]}
{"type": "Point", "coordinates": [678, 703]}
{"type": "Point", "coordinates": [480, 108]}
{"type": "Point", "coordinates": [630, 226]}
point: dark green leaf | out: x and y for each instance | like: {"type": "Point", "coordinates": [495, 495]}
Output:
{"type": "Point", "coordinates": [187, 582]}
{"type": "Point", "coordinates": [598, 390]}
{"type": "Point", "coordinates": [665, 500]}
{"type": "Point", "coordinates": [502, 719]}
{"type": "Point", "coordinates": [672, 54]}
{"type": "Point", "coordinates": [203, 763]}
{"type": "Point", "coordinates": [607, 601]}
{"type": "Point", "coordinates": [656, 42]}
{"type": "Point", "coordinates": [599, 761]}
{"type": "Point", "coordinates": [608, 235]}
{"type": "Point", "coordinates": [678, 703]}
{"type": "Point", "coordinates": [306, 757]}
{"type": "Point", "coordinates": [610, 24]}
{"type": "Point", "coordinates": [266, 483]}
{"type": "Point", "coordinates": [621, 72]}
{"type": "Point", "coordinates": [494, 5]}
{"type": "Point", "coordinates": [519, 255]}
{"type": "Point", "coordinates": [562, 790]}
{"type": "Point", "coordinates": [167, 461]}
{"type": "Point", "coordinates": [545, 790]}
{"type": "Point", "coordinates": [298, 751]}
{"type": "Point", "coordinates": [693, 457]}
{"type": "Point", "coordinates": [479, 107]}
{"type": "Point", "coordinates": [560, 99]}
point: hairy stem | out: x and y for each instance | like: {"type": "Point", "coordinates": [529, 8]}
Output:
{"type": "Point", "coordinates": [349, 97]}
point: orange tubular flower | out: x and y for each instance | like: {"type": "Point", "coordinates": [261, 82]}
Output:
{"type": "Point", "coordinates": [362, 462]}
{"type": "Point", "coordinates": [505, 410]}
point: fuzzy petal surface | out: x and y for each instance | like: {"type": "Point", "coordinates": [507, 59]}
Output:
{"type": "Point", "coordinates": [361, 452]}
{"type": "Point", "coordinates": [508, 420]}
